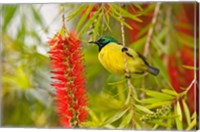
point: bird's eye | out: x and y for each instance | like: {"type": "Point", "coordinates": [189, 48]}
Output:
{"type": "Point", "coordinates": [101, 40]}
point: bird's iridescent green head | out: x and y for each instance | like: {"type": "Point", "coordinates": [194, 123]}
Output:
{"type": "Point", "coordinates": [103, 41]}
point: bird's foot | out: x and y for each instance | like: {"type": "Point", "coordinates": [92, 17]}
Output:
{"type": "Point", "coordinates": [128, 76]}
{"type": "Point", "coordinates": [124, 49]}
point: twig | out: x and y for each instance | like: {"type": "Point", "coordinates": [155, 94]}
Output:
{"type": "Point", "coordinates": [128, 75]}
{"type": "Point", "coordinates": [190, 86]}
{"type": "Point", "coordinates": [150, 32]}
{"type": "Point", "coordinates": [63, 19]}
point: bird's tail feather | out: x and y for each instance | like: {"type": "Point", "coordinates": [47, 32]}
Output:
{"type": "Point", "coordinates": [154, 71]}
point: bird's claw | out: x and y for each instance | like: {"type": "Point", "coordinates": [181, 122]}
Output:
{"type": "Point", "coordinates": [128, 76]}
{"type": "Point", "coordinates": [124, 49]}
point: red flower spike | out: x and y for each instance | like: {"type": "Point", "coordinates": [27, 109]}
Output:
{"type": "Point", "coordinates": [67, 70]}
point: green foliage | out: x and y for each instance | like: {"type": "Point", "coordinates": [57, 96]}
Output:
{"type": "Point", "coordinates": [25, 75]}
{"type": "Point", "coordinates": [8, 13]}
{"type": "Point", "coordinates": [163, 111]}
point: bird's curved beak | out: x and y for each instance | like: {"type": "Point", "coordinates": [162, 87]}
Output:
{"type": "Point", "coordinates": [92, 42]}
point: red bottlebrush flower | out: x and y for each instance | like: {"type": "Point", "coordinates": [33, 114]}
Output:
{"type": "Point", "coordinates": [67, 70]}
{"type": "Point", "coordinates": [181, 77]}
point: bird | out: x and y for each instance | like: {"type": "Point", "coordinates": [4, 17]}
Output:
{"type": "Point", "coordinates": [111, 56]}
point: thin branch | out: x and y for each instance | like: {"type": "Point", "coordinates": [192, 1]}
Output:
{"type": "Point", "coordinates": [63, 19]}
{"type": "Point", "coordinates": [190, 86]}
{"type": "Point", "coordinates": [150, 32]}
{"type": "Point", "coordinates": [128, 75]}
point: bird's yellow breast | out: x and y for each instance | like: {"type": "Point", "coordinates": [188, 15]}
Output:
{"type": "Point", "coordinates": [112, 58]}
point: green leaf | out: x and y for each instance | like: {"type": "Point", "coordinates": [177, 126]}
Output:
{"type": "Point", "coordinates": [96, 27]}
{"type": "Point", "coordinates": [179, 112]}
{"type": "Point", "coordinates": [83, 18]}
{"type": "Point", "coordinates": [8, 14]}
{"type": "Point", "coordinates": [76, 12]}
{"type": "Point", "coordinates": [187, 112]}
{"type": "Point", "coordinates": [92, 115]}
{"type": "Point", "coordinates": [138, 126]}
{"type": "Point", "coordinates": [158, 95]}
{"type": "Point", "coordinates": [143, 109]}
{"type": "Point", "coordinates": [89, 22]}
{"type": "Point", "coordinates": [121, 94]}
{"type": "Point", "coordinates": [126, 120]}
{"type": "Point", "coordinates": [190, 67]}
{"type": "Point", "coordinates": [170, 92]}
{"type": "Point", "coordinates": [125, 13]}
{"type": "Point", "coordinates": [144, 30]}
{"type": "Point", "coordinates": [37, 16]}
{"type": "Point", "coordinates": [162, 34]}
{"type": "Point", "coordinates": [139, 6]}
{"type": "Point", "coordinates": [158, 62]}
{"type": "Point", "coordinates": [109, 126]}
{"type": "Point", "coordinates": [155, 105]}
{"type": "Point", "coordinates": [155, 126]}
{"type": "Point", "coordinates": [192, 125]}
{"type": "Point", "coordinates": [150, 100]}
{"type": "Point", "coordinates": [107, 21]}
{"type": "Point", "coordinates": [159, 122]}
{"type": "Point", "coordinates": [185, 39]}
{"type": "Point", "coordinates": [120, 20]}
{"type": "Point", "coordinates": [139, 44]}
{"type": "Point", "coordinates": [194, 115]}
{"type": "Point", "coordinates": [179, 118]}
{"type": "Point", "coordinates": [179, 124]}
{"type": "Point", "coordinates": [117, 116]}
{"type": "Point", "coordinates": [159, 45]}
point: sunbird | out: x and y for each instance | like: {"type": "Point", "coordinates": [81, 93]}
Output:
{"type": "Point", "coordinates": [111, 56]}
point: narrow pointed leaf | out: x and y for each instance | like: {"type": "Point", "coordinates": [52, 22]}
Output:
{"type": "Point", "coordinates": [194, 115]}
{"type": "Point", "coordinates": [139, 6]}
{"type": "Point", "coordinates": [120, 20]}
{"type": "Point", "coordinates": [92, 115]}
{"type": "Point", "coordinates": [187, 112]}
{"type": "Point", "coordinates": [126, 120]}
{"type": "Point", "coordinates": [159, 44]}
{"type": "Point", "coordinates": [96, 27]}
{"type": "Point", "coordinates": [155, 126]}
{"type": "Point", "coordinates": [143, 109]}
{"type": "Point", "coordinates": [178, 119]}
{"type": "Point", "coordinates": [158, 95]}
{"type": "Point", "coordinates": [89, 22]}
{"type": "Point", "coordinates": [76, 12]}
{"type": "Point", "coordinates": [158, 62]}
{"type": "Point", "coordinates": [150, 100]}
{"type": "Point", "coordinates": [37, 16]}
{"type": "Point", "coordinates": [170, 92]}
{"type": "Point", "coordinates": [190, 67]}
{"type": "Point", "coordinates": [179, 112]}
{"type": "Point", "coordinates": [144, 30]}
{"type": "Point", "coordinates": [155, 105]}
{"type": "Point", "coordinates": [117, 116]}
{"type": "Point", "coordinates": [125, 13]}
{"type": "Point", "coordinates": [107, 21]}
{"type": "Point", "coordinates": [8, 14]}
{"type": "Point", "coordinates": [192, 125]}
{"type": "Point", "coordinates": [83, 17]}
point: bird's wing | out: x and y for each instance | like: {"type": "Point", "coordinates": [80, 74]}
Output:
{"type": "Point", "coordinates": [139, 58]}
{"type": "Point", "coordinates": [143, 58]}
